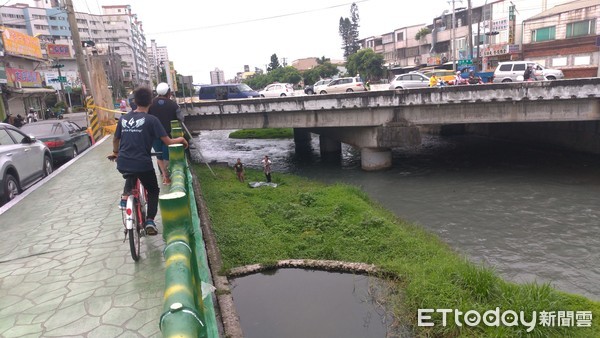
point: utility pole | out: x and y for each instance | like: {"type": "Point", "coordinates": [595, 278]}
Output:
{"type": "Point", "coordinates": [470, 33]}
{"type": "Point", "coordinates": [453, 38]}
{"type": "Point", "coordinates": [58, 66]}
{"type": "Point", "coordinates": [83, 71]}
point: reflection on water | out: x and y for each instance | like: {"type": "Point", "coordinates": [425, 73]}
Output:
{"type": "Point", "coordinates": [530, 213]}
{"type": "Point", "coordinates": [305, 303]}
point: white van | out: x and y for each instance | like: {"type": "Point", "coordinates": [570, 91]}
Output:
{"type": "Point", "coordinates": [514, 70]}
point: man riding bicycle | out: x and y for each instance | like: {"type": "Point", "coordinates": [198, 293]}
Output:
{"type": "Point", "coordinates": [132, 146]}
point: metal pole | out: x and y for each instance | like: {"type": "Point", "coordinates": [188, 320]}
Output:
{"type": "Point", "coordinates": [453, 39]}
{"type": "Point", "coordinates": [83, 70]}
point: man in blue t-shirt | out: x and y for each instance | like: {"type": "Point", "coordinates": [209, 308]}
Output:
{"type": "Point", "coordinates": [132, 146]}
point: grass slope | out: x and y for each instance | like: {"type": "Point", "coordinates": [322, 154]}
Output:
{"type": "Point", "coordinates": [267, 133]}
{"type": "Point", "coordinates": [303, 219]}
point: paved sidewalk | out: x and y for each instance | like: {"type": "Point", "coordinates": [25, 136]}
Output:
{"type": "Point", "coordinates": [64, 269]}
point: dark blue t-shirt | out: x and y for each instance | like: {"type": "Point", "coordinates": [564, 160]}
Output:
{"type": "Point", "coordinates": [137, 131]}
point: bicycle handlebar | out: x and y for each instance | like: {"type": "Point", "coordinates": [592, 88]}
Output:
{"type": "Point", "coordinates": [113, 157]}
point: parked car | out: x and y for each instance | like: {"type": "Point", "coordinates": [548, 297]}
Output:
{"type": "Point", "coordinates": [64, 138]}
{"type": "Point", "coordinates": [23, 161]}
{"type": "Point", "coordinates": [410, 80]}
{"type": "Point", "coordinates": [514, 70]}
{"type": "Point", "coordinates": [317, 87]}
{"type": "Point", "coordinates": [226, 91]}
{"type": "Point", "coordinates": [277, 90]}
{"type": "Point", "coordinates": [344, 85]}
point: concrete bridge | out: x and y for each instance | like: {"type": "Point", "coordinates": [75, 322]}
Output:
{"type": "Point", "coordinates": [377, 121]}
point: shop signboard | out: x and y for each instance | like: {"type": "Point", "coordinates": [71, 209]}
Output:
{"type": "Point", "coordinates": [21, 44]}
{"type": "Point", "coordinates": [26, 78]}
{"type": "Point", "coordinates": [3, 78]}
{"type": "Point", "coordinates": [494, 50]}
{"type": "Point", "coordinates": [58, 51]}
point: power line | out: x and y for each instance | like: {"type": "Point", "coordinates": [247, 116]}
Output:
{"type": "Point", "coordinates": [257, 20]}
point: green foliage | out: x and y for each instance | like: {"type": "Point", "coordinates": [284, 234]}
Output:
{"type": "Point", "coordinates": [348, 30]}
{"type": "Point", "coordinates": [266, 133]}
{"type": "Point", "coordinates": [274, 64]}
{"type": "Point", "coordinates": [422, 33]}
{"type": "Point", "coordinates": [303, 219]}
{"type": "Point", "coordinates": [322, 71]}
{"type": "Point", "coordinates": [367, 63]}
{"type": "Point", "coordinates": [287, 74]}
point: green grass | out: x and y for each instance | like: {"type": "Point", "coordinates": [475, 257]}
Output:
{"type": "Point", "coordinates": [267, 133]}
{"type": "Point", "coordinates": [303, 219]}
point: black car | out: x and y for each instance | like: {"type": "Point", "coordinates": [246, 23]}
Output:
{"type": "Point", "coordinates": [65, 139]}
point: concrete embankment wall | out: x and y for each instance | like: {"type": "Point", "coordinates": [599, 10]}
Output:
{"type": "Point", "coordinates": [583, 136]}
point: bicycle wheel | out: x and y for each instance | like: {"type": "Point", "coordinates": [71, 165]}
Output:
{"type": "Point", "coordinates": [134, 234]}
{"type": "Point", "coordinates": [143, 196]}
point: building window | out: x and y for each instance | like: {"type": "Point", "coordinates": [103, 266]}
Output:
{"type": "Point", "coordinates": [581, 28]}
{"type": "Point", "coordinates": [413, 51]}
{"type": "Point", "coordinates": [559, 62]}
{"type": "Point", "coordinates": [44, 27]}
{"type": "Point", "coordinates": [582, 60]}
{"type": "Point", "coordinates": [544, 34]}
{"type": "Point", "coordinates": [51, 18]}
{"type": "Point", "coordinates": [400, 36]}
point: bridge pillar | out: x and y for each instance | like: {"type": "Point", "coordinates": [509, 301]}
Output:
{"type": "Point", "coordinates": [302, 140]}
{"type": "Point", "coordinates": [329, 147]}
{"type": "Point", "coordinates": [372, 159]}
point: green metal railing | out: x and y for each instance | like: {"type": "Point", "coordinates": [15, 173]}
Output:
{"type": "Point", "coordinates": [185, 312]}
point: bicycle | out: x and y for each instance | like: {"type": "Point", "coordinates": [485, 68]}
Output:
{"type": "Point", "coordinates": [134, 214]}
{"type": "Point", "coordinates": [134, 217]}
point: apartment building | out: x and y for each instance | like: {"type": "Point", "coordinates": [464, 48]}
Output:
{"type": "Point", "coordinates": [217, 76]}
{"type": "Point", "coordinates": [116, 31]}
{"type": "Point", "coordinates": [566, 37]}
{"type": "Point", "coordinates": [494, 29]}
{"type": "Point", "coordinates": [157, 55]}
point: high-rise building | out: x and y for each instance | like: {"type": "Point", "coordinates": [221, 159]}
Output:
{"type": "Point", "coordinates": [116, 31]}
{"type": "Point", "coordinates": [158, 56]}
{"type": "Point", "coordinates": [217, 76]}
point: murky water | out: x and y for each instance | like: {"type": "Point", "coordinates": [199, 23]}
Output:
{"type": "Point", "coordinates": [306, 303]}
{"type": "Point", "coordinates": [531, 213]}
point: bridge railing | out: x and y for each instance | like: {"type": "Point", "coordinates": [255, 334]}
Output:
{"type": "Point", "coordinates": [187, 311]}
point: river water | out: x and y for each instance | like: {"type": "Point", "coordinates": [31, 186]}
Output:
{"type": "Point", "coordinates": [531, 213]}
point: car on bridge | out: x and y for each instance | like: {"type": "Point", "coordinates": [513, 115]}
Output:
{"type": "Point", "coordinates": [277, 90]}
{"type": "Point", "coordinates": [510, 71]}
{"type": "Point", "coordinates": [409, 81]}
{"type": "Point", "coordinates": [65, 139]}
{"type": "Point", "coordinates": [23, 161]}
{"type": "Point", "coordinates": [317, 87]}
{"type": "Point", "coordinates": [344, 85]}
{"type": "Point", "coordinates": [226, 91]}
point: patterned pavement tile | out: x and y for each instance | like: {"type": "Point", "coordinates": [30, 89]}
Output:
{"type": "Point", "coordinates": [65, 270]}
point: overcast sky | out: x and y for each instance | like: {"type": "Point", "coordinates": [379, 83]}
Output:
{"type": "Point", "coordinates": [203, 35]}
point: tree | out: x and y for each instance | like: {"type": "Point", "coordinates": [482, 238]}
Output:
{"type": "Point", "coordinates": [287, 74]}
{"type": "Point", "coordinates": [274, 63]}
{"type": "Point", "coordinates": [348, 30]}
{"type": "Point", "coordinates": [322, 71]}
{"type": "Point", "coordinates": [322, 60]}
{"type": "Point", "coordinates": [367, 63]}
